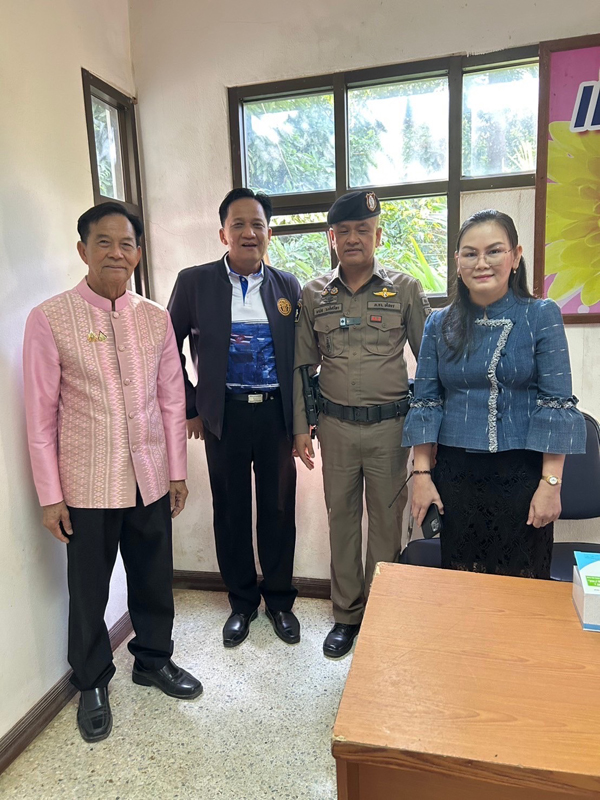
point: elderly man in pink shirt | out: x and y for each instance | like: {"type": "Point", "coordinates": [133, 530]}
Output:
{"type": "Point", "coordinates": [105, 406]}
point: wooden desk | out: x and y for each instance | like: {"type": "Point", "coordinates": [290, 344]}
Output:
{"type": "Point", "coordinates": [469, 686]}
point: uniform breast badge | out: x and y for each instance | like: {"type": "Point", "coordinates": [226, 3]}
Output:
{"type": "Point", "coordinates": [334, 290]}
{"type": "Point", "coordinates": [284, 306]}
{"type": "Point", "coordinates": [385, 293]}
{"type": "Point", "coordinates": [298, 311]}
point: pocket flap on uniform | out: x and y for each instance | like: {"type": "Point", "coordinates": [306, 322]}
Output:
{"type": "Point", "coordinates": [327, 322]}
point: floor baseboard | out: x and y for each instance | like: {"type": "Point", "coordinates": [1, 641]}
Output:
{"type": "Point", "coordinates": [319, 588]}
{"type": "Point", "coordinates": [33, 723]}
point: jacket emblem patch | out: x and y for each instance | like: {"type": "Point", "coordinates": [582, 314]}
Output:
{"type": "Point", "coordinates": [284, 306]}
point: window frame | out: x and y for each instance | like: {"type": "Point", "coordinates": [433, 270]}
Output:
{"type": "Point", "coordinates": [452, 67]}
{"type": "Point", "coordinates": [94, 87]}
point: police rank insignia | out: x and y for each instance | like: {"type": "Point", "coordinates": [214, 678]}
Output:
{"type": "Point", "coordinates": [284, 306]}
{"type": "Point", "coordinates": [371, 201]}
{"type": "Point", "coordinates": [298, 311]}
{"type": "Point", "coordinates": [385, 293]}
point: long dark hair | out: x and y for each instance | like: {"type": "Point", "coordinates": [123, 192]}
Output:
{"type": "Point", "coordinates": [457, 328]}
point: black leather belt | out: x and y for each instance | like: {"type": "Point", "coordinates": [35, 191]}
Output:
{"type": "Point", "coordinates": [253, 397]}
{"type": "Point", "coordinates": [399, 408]}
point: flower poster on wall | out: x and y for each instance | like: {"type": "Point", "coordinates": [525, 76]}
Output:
{"type": "Point", "coordinates": [567, 248]}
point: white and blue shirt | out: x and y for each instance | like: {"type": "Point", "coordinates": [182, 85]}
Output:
{"type": "Point", "coordinates": [251, 364]}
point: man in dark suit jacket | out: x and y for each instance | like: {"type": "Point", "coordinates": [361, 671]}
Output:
{"type": "Point", "coordinates": [238, 315]}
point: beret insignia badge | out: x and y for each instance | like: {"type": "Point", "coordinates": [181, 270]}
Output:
{"type": "Point", "coordinates": [371, 201]}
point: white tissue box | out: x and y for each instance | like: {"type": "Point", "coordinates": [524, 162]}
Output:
{"type": "Point", "coordinates": [586, 589]}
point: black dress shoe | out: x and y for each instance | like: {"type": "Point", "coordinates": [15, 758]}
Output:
{"type": "Point", "coordinates": [170, 679]}
{"type": "Point", "coordinates": [285, 624]}
{"type": "Point", "coordinates": [339, 640]}
{"type": "Point", "coordinates": [94, 717]}
{"type": "Point", "coordinates": [237, 628]}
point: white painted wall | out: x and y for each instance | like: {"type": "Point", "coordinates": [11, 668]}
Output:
{"type": "Point", "coordinates": [45, 184]}
{"type": "Point", "coordinates": [186, 54]}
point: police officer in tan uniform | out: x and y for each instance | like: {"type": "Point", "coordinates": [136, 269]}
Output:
{"type": "Point", "coordinates": [354, 323]}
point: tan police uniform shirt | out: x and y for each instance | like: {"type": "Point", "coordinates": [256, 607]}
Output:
{"type": "Point", "coordinates": [358, 338]}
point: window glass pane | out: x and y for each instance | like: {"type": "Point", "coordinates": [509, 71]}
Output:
{"type": "Point", "coordinates": [398, 133]}
{"type": "Point", "coordinates": [415, 240]}
{"type": "Point", "coordinates": [108, 149]}
{"type": "Point", "coordinates": [298, 219]}
{"type": "Point", "coordinates": [305, 255]}
{"type": "Point", "coordinates": [290, 144]}
{"type": "Point", "coordinates": [500, 121]}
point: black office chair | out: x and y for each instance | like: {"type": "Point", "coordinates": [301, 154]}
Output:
{"type": "Point", "coordinates": [580, 498]}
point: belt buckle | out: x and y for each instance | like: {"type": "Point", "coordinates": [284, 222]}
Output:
{"type": "Point", "coordinates": [361, 414]}
{"type": "Point", "coordinates": [255, 398]}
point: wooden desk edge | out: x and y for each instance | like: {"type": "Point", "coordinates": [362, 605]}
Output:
{"type": "Point", "coordinates": [507, 774]}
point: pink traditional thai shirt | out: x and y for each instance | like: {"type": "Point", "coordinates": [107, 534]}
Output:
{"type": "Point", "coordinates": [104, 400]}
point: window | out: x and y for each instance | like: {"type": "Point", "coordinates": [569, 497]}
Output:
{"type": "Point", "coordinates": [290, 144]}
{"type": "Point", "coordinates": [114, 159]}
{"type": "Point", "coordinates": [421, 135]}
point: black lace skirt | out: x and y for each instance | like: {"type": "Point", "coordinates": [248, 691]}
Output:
{"type": "Point", "coordinates": [486, 499]}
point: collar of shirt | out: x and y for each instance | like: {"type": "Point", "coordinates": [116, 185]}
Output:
{"type": "Point", "coordinates": [498, 308]}
{"type": "Point", "coordinates": [378, 272]}
{"type": "Point", "coordinates": [101, 302]}
{"type": "Point", "coordinates": [254, 277]}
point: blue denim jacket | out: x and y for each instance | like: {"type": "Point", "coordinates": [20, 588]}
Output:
{"type": "Point", "coordinates": [512, 392]}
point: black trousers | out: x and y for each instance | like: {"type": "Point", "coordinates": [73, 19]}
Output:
{"type": "Point", "coordinates": [254, 436]}
{"type": "Point", "coordinates": [144, 534]}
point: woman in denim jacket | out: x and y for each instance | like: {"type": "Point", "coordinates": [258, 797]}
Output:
{"type": "Point", "coordinates": [493, 392]}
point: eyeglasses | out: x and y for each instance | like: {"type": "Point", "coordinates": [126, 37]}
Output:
{"type": "Point", "coordinates": [493, 258]}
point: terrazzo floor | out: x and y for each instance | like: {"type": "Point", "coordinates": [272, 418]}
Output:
{"type": "Point", "coordinates": [261, 730]}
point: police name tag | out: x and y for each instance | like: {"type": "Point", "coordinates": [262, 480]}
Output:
{"type": "Point", "coordinates": [332, 308]}
{"type": "Point", "coordinates": [384, 305]}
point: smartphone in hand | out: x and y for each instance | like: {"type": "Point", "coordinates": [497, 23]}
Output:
{"type": "Point", "coordinates": [432, 524]}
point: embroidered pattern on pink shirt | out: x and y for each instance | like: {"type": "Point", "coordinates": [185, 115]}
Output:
{"type": "Point", "coordinates": [110, 428]}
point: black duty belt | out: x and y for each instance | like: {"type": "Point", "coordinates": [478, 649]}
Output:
{"type": "Point", "coordinates": [399, 408]}
{"type": "Point", "coordinates": [253, 397]}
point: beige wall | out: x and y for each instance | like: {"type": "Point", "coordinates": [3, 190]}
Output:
{"type": "Point", "coordinates": [45, 184]}
{"type": "Point", "coordinates": [186, 53]}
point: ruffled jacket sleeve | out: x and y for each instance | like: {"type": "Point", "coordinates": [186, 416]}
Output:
{"type": "Point", "coordinates": [424, 418]}
{"type": "Point", "coordinates": [555, 425]}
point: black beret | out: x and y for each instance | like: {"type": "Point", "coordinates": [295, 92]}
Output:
{"type": "Point", "coordinates": [355, 205]}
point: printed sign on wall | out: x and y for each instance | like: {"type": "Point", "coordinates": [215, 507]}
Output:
{"type": "Point", "coordinates": [567, 248]}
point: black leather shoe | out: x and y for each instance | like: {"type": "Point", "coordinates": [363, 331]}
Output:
{"type": "Point", "coordinates": [339, 640]}
{"type": "Point", "coordinates": [94, 717]}
{"type": "Point", "coordinates": [170, 679]}
{"type": "Point", "coordinates": [285, 624]}
{"type": "Point", "coordinates": [237, 628]}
